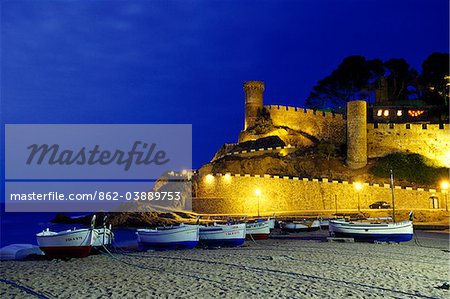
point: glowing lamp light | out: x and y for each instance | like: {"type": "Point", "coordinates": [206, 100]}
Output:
{"type": "Point", "coordinates": [444, 185]}
{"type": "Point", "coordinates": [209, 178]}
{"type": "Point", "coordinates": [399, 113]}
{"type": "Point", "coordinates": [386, 113]}
{"type": "Point", "coordinates": [227, 177]}
{"type": "Point", "coordinates": [184, 172]}
{"type": "Point", "coordinates": [258, 192]}
{"type": "Point", "coordinates": [358, 186]}
{"type": "Point", "coordinates": [379, 112]}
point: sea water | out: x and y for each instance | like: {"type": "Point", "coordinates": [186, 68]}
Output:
{"type": "Point", "coordinates": [21, 228]}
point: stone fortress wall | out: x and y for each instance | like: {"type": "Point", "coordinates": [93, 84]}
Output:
{"type": "Point", "coordinates": [235, 193]}
{"type": "Point", "coordinates": [429, 140]}
{"type": "Point", "coordinates": [364, 140]}
{"type": "Point", "coordinates": [322, 125]}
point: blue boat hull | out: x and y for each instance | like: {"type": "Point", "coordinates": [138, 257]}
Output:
{"type": "Point", "coordinates": [168, 245]}
{"type": "Point", "coordinates": [377, 237]}
{"type": "Point", "coordinates": [222, 242]}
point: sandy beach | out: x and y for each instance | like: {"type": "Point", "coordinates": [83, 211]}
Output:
{"type": "Point", "coordinates": [292, 266]}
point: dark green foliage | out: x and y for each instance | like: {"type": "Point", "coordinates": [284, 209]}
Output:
{"type": "Point", "coordinates": [352, 80]}
{"type": "Point", "coordinates": [410, 167]}
{"type": "Point", "coordinates": [432, 81]}
{"type": "Point", "coordinates": [402, 80]}
{"type": "Point", "coordinates": [327, 149]}
{"type": "Point", "coordinates": [357, 78]}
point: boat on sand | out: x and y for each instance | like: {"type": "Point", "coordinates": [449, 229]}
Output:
{"type": "Point", "coordinates": [257, 230]}
{"type": "Point", "coordinates": [69, 243]}
{"type": "Point", "coordinates": [227, 235]}
{"type": "Point", "coordinates": [167, 238]}
{"type": "Point", "coordinates": [373, 231]}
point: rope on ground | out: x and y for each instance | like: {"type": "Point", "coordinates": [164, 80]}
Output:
{"type": "Point", "coordinates": [24, 288]}
{"type": "Point", "coordinates": [417, 242]}
{"type": "Point", "coordinates": [302, 276]}
{"type": "Point", "coordinates": [177, 273]}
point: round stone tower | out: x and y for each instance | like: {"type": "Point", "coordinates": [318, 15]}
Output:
{"type": "Point", "coordinates": [253, 101]}
{"type": "Point", "coordinates": [356, 134]}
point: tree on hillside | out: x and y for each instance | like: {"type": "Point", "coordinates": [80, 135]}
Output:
{"type": "Point", "coordinates": [433, 82]}
{"type": "Point", "coordinates": [356, 78]}
{"type": "Point", "coordinates": [401, 80]}
{"type": "Point", "coordinates": [353, 79]}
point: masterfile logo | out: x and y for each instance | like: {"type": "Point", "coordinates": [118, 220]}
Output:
{"type": "Point", "coordinates": [141, 153]}
{"type": "Point", "coordinates": [85, 168]}
{"type": "Point", "coordinates": [96, 151]}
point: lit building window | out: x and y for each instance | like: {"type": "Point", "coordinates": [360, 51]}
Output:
{"type": "Point", "coordinates": [415, 113]}
{"type": "Point", "coordinates": [399, 113]}
{"type": "Point", "coordinates": [386, 113]}
{"type": "Point", "coordinates": [379, 112]}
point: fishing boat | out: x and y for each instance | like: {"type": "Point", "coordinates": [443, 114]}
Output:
{"type": "Point", "coordinates": [103, 236]}
{"type": "Point", "coordinates": [302, 226]}
{"type": "Point", "coordinates": [324, 222]}
{"type": "Point", "coordinates": [271, 221]}
{"type": "Point", "coordinates": [371, 232]}
{"type": "Point", "coordinates": [227, 235]}
{"type": "Point", "coordinates": [166, 238]}
{"type": "Point", "coordinates": [68, 243]}
{"type": "Point", "coordinates": [257, 230]}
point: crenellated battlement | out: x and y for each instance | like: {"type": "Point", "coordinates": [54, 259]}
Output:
{"type": "Point", "coordinates": [235, 193]}
{"type": "Point", "coordinates": [227, 175]}
{"type": "Point", "coordinates": [429, 140]}
{"type": "Point", "coordinates": [407, 126]}
{"type": "Point", "coordinates": [304, 110]}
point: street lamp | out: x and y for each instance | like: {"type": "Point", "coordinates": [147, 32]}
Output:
{"type": "Point", "coordinates": [258, 195]}
{"type": "Point", "coordinates": [209, 178]}
{"type": "Point", "coordinates": [444, 189]}
{"type": "Point", "coordinates": [358, 186]}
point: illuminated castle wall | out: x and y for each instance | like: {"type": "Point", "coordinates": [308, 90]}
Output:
{"type": "Point", "coordinates": [216, 193]}
{"type": "Point", "coordinates": [235, 193]}
{"type": "Point", "coordinates": [364, 140]}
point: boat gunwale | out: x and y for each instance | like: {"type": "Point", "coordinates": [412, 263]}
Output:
{"type": "Point", "coordinates": [63, 233]}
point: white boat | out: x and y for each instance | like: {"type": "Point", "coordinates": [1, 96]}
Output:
{"type": "Point", "coordinates": [172, 237]}
{"type": "Point", "coordinates": [302, 226]}
{"type": "Point", "coordinates": [271, 221]}
{"type": "Point", "coordinates": [102, 237]}
{"type": "Point", "coordinates": [324, 223]}
{"type": "Point", "coordinates": [257, 230]}
{"type": "Point", "coordinates": [222, 235]}
{"type": "Point", "coordinates": [68, 243]}
{"type": "Point", "coordinates": [371, 232]}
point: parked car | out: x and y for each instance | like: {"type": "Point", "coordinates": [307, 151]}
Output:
{"type": "Point", "coordinates": [380, 205]}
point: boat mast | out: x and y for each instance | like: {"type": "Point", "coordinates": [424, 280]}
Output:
{"type": "Point", "coordinates": [393, 199]}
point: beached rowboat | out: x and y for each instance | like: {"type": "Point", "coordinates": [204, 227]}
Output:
{"type": "Point", "coordinates": [371, 232]}
{"type": "Point", "coordinates": [68, 243]}
{"type": "Point", "coordinates": [305, 226]}
{"type": "Point", "coordinates": [166, 238]}
{"type": "Point", "coordinates": [102, 237]}
{"type": "Point", "coordinates": [223, 235]}
{"type": "Point", "coordinates": [257, 230]}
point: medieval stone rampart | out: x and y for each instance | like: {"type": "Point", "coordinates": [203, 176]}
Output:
{"type": "Point", "coordinates": [227, 193]}
{"type": "Point", "coordinates": [429, 140]}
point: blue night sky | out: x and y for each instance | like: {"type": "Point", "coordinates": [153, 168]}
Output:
{"type": "Point", "coordinates": [185, 61]}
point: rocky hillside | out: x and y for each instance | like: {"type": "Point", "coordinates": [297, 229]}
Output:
{"type": "Point", "coordinates": [323, 162]}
